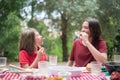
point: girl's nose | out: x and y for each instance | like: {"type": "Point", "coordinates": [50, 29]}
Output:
{"type": "Point", "coordinates": [82, 30]}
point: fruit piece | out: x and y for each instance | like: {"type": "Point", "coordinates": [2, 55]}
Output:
{"type": "Point", "coordinates": [88, 67]}
{"type": "Point", "coordinates": [115, 76]}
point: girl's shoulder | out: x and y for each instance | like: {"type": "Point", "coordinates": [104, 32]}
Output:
{"type": "Point", "coordinates": [23, 52]}
{"type": "Point", "coordinates": [78, 40]}
{"type": "Point", "coordinates": [102, 41]}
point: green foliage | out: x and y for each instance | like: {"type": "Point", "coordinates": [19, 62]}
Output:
{"type": "Point", "coordinates": [117, 43]}
{"type": "Point", "coordinates": [108, 14]}
{"type": "Point", "coordinates": [75, 11]}
{"type": "Point", "coordinates": [10, 27]}
{"type": "Point", "coordinates": [57, 49]}
{"type": "Point", "coordinates": [53, 46]}
{"type": "Point", "coordinates": [110, 47]}
{"type": "Point", "coordinates": [113, 45]}
{"type": "Point", "coordinates": [42, 28]}
{"type": "Point", "coordinates": [11, 36]}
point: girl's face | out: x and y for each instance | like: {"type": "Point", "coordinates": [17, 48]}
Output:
{"type": "Point", "coordinates": [38, 39]}
{"type": "Point", "coordinates": [85, 28]}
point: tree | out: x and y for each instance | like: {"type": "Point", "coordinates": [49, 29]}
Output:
{"type": "Point", "coordinates": [12, 38]}
{"type": "Point", "coordinates": [9, 26]}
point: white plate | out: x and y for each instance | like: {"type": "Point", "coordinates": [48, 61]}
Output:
{"type": "Point", "coordinates": [75, 71]}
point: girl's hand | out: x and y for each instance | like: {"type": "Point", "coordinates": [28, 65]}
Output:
{"type": "Point", "coordinates": [40, 52]}
{"type": "Point", "coordinates": [84, 37]}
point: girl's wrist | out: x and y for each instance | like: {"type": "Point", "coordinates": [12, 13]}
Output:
{"type": "Point", "coordinates": [87, 43]}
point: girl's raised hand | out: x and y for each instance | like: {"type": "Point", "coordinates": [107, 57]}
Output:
{"type": "Point", "coordinates": [40, 52]}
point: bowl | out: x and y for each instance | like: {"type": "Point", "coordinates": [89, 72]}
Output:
{"type": "Point", "coordinates": [112, 66]}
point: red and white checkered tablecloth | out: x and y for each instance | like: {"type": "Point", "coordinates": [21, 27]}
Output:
{"type": "Point", "coordinates": [11, 76]}
{"type": "Point", "coordinates": [89, 76]}
{"type": "Point", "coordinates": [83, 76]}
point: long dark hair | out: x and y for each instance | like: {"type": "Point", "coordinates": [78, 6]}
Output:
{"type": "Point", "coordinates": [27, 40]}
{"type": "Point", "coordinates": [95, 29]}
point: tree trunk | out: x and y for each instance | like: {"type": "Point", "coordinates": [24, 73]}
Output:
{"type": "Point", "coordinates": [64, 37]}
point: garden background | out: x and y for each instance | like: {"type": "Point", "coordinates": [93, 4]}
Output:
{"type": "Point", "coordinates": [57, 21]}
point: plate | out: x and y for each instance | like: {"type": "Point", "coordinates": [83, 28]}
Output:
{"type": "Point", "coordinates": [14, 70]}
{"type": "Point", "coordinates": [75, 71]}
{"type": "Point", "coordinates": [3, 69]}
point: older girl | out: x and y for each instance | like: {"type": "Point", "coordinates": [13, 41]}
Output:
{"type": "Point", "coordinates": [90, 46]}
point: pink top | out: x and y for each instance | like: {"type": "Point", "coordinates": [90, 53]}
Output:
{"type": "Point", "coordinates": [24, 58]}
{"type": "Point", "coordinates": [81, 55]}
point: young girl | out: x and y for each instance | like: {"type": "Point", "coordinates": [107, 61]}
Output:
{"type": "Point", "coordinates": [30, 49]}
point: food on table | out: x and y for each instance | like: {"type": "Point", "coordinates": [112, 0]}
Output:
{"type": "Point", "coordinates": [31, 77]}
{"type": "Point", "coordinates": [115, 75]}
{"type": "Point", "coordinates": [88, 67]}
{"type": "Point", "coordinates": [54, 78]}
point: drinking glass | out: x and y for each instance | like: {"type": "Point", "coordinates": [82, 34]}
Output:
{"type": "Point", "coordinates": [95, 67]}
{"type": "Point", "coordinates": [116, 58]}
{"type": "Point", "coordinates": [53, 60]}
{"type": "Point", "coordinates": [43, 68]}
{"type": "Point", "coordinates": [3, 62]}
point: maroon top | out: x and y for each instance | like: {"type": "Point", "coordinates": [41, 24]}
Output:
{"type": "Point", "coordinates": [81, 55]}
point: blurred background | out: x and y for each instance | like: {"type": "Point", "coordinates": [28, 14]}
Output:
{"type": "Point", "coordinates": [58, 21]}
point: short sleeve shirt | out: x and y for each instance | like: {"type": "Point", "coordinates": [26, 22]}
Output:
{"type": "Point", "coordinates": [81, 55]}
{"type": "Point", "coordinates": [24, 58]}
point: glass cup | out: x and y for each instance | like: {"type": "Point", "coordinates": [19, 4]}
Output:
{"type": "Point", "coordinates": [43, 68]}
{"type": "Point", "coordinates": [95, 67]}
{"type": "Point", "coordinates": [116, 58]}
{"type": "Point", "coordinates": [53, 60]}
{"type": "Point", "coordinates": [3, 62]}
